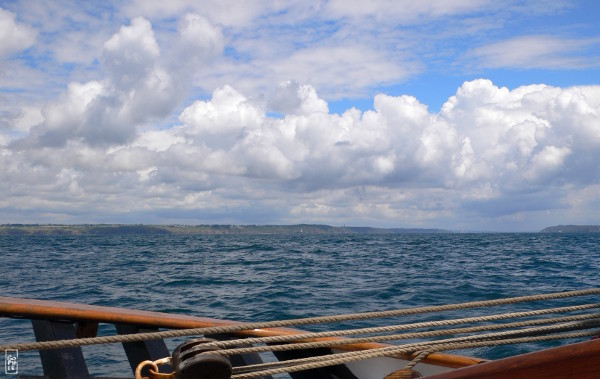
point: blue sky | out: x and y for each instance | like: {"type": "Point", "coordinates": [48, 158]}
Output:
{"type": "Point", "coordinates": [466, 115]}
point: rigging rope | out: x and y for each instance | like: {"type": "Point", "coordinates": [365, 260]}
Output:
{"type": "Point", "coordinates": [341, 358]}
{"type": "Point", "coordinates": [489, 336]}
{"type": "Point", "coordinates": [295, 322]}
{"type": "Point", "coordinates": [418, 325]}
{"type": "Point", "coordinates": [337, 359]}
{"type": "Point", "coordinates": [396, 337]}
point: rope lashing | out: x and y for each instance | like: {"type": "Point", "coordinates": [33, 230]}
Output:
{"type": "Point", "coordinates": [407, 371]}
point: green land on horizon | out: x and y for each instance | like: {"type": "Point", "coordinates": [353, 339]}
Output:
{"type": "Point", "coordinates": [141, 229]}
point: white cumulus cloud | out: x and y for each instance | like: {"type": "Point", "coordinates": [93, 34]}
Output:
{"type": "Point", "coordinates": [130, 54]}
{"type": "Point", "coordinates": [14, 36]}
{"type": "Point", "coordinates": [489, 152]}
{"type": "Point", "coordinates": [138, 86]}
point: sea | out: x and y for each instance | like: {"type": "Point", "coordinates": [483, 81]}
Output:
{"type": "Point", "coordinates": [265, 277]}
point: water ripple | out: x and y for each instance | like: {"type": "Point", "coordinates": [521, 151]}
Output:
{"type": "Point", "coordinates": [269, 277]}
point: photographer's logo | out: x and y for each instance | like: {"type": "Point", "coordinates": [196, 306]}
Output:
{"type": "Point", "coordinates": [11, 365]}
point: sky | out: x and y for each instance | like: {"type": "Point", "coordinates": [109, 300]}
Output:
{"type": "Point", "coordinates": [468, 115]}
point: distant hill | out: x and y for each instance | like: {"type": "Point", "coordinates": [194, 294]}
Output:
{"type": "Point", "coordinates": [119, 229]}
{"type": "Point", "coordinates": [100, 229]}
{"type": "Point", "coordinates": [368, 230]}
{"type": "Point", "coordinates": [572, 229]}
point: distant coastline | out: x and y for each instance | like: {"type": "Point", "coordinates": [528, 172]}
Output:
{"type": "Point", "coordinates": [572, 229]}
{"type": "Point", "coordinates": [125, 229]}
{"type": "Point", "coordinates": [142, 229]}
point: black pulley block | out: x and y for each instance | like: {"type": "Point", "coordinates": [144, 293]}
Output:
{"type": "Point", "coordinates": [192, 360]}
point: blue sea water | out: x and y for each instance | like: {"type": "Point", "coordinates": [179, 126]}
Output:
{"type": "Point", "coordinates": [271, 277]}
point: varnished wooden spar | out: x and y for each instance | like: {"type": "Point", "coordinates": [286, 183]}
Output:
{"type": "Point", "coordinates": [54, 310]}
{"type": "Point", "coordinates": [579, 360]}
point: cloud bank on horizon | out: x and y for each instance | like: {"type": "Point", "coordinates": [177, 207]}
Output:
{"type": "Point", "coordinates": [177, 112]}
